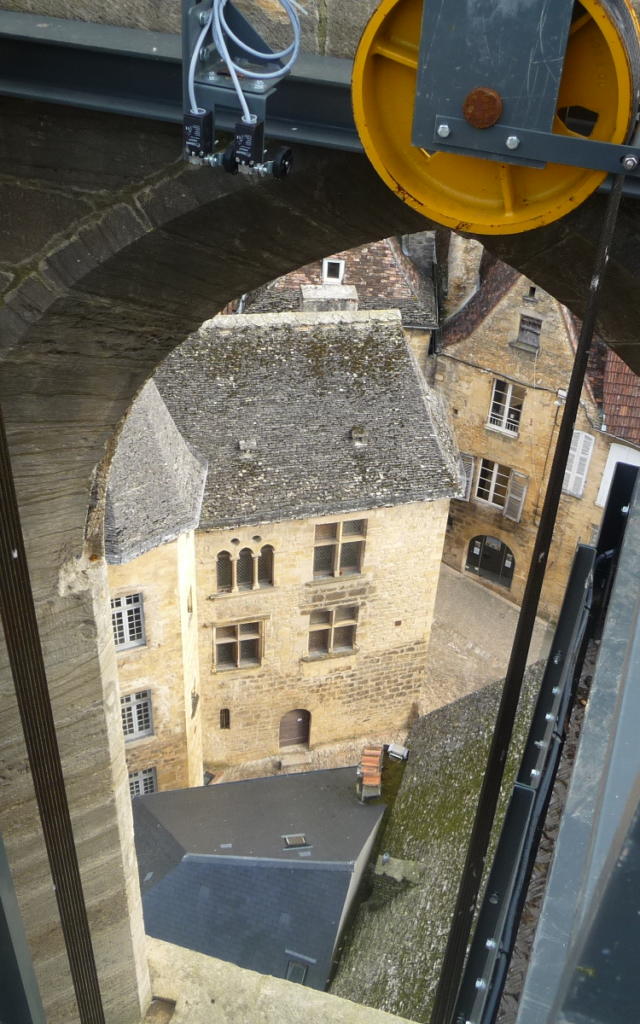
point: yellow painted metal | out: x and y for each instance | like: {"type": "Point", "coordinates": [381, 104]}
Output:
{"type": "Point", "coordinates": [469, 193]}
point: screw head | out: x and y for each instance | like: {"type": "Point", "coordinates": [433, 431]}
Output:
{"type": "Point", "coordinates": [630, 162]}
{"type": "Point", "coordinates": [444, 131]}
{"type": "Point", "coordinates": [512, 142]}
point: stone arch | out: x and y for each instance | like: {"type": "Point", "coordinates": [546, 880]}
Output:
{"type": "Point", "coordinates": [491, 558]}
{"type": "Point", "coordinates": [90, 308]}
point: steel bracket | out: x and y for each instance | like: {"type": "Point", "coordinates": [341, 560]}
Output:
{"type": "Point", "coordinates": [532, 148]}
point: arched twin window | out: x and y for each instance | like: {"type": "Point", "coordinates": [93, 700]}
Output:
{"type": "Point", "coordinates": [246, 570]}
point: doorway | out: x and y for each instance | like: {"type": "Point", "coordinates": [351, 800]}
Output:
{"type": "Point", "coordinates": [490, 558]}
{"type": "Point", "coordinates": [294, 728]}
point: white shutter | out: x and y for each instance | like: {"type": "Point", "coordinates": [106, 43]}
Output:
{"type": "Point", "coordinates": [575, 475]}
{"type": "Point", "coordinates": [515, 496]}
{"type": "Point", "coordinates": [468, 466]}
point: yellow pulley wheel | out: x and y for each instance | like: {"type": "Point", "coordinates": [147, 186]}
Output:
{"type": "Point", "coordinates": [598, 98]}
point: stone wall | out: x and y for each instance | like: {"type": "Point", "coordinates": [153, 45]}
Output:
{"type": "Point", "coordinates": [465, 371]}
{"type": "Point", "coordinates": [377, 688]}
{"type": "Point", "coordinates": [167, 664]}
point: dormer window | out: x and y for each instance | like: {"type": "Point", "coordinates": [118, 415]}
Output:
{"type": "Point", "coordinates": [332, 271]}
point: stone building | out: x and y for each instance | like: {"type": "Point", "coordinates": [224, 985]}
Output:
{"type": "Point", "coordinates": [503, 361]}
{"type": "Point", "coordinates": [310, 578]}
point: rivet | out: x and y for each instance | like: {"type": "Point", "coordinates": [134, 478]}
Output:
{"type": "Point", "coordinates": [444, 131]}
{"type": "Point", "coordinates": [512, 142]}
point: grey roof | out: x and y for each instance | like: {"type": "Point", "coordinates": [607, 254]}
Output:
{"type": "Point", "coordinates": [271, 400]}
{"type": "Point", "coordinates": [155, 483]}
{"type": "Point", "coordinates": [215, 876]}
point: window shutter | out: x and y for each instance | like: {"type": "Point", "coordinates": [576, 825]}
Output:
{"type": "Point", "coordinates": [515, 496]}
{"type": "Point", "coordinates": [575, 475]}
{"type": "Point", "coordinates": [468, 466]}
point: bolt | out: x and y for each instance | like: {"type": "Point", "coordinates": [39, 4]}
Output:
{"type": "Point", "coordinates": [512, 142]}
{"type": "Point", "coordinates": [204, 54]}
{"type": "Point", "coordinates": [549, 717]}
{"type": "Point", "coordinates": [258, 85]}
{"type": "Point", "coordinates": [480, 984]}
{"type": "Point", "coordinates": [535, 773]}
{"type": "Point", "coordinates": [444, 131]}
{"type": "Point", "coordinates": [212, 76]}
{"type": "Point", "coordinates": [630, 162]}
{"type": "Point", "coordinates": [203, 17]}
{"type": "Point", "coordinates": [490, 944]}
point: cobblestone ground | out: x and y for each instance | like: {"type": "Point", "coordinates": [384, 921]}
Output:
{"type": "Point", "coordinates": [535, 893]}
{"type": "Point", "coordinates": [471, 638]}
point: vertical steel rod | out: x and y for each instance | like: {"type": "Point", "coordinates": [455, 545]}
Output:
{"type": "Point", "coordinates": [18, 614]}
{"type": "Point", "coordinates": [464, 911]}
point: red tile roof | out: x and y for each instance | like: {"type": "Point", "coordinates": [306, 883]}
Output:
{"type": "Point", "coordinates": [621, 399]}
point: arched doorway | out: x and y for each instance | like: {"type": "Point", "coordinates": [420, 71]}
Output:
{"type": "Point", "coordinates": [294, 728]}
{"type": "Point", "coordinates": [490, 558]}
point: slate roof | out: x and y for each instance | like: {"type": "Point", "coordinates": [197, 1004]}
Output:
{"type": "Point", "coordinates": [155, 483]}
{"type": "Point", "coordinates": [386, 275]}
{"type": "Point", "coordinates": [271, 401]}
{"type": "Point", "coordinates": [621, 399]}
{"type": "Point", "coordinates": [215, 875]}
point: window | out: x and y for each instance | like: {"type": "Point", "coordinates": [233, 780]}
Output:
{"type": "Point", "coordinates": [531, 294]}
{"type": "Point", "coordinates": [468, 467]}
{"type": "Point", "coordinates": [575, 475]}
{"type": "Point", "coordinates": [127, 620]}
{"type": "Point", "coordinates": [493, 483]}
{"type": "Point", "coordinates": [339, 548]}
{"type": "Point", "coordinates": [296, 972]}
{"type": "Point", "coordinates": [502, 487]}
{"type": "Point", "coordinates": [529, 333]}
{"type": "Point", "coordinates": [506, 406]}
{"type": "Point", "coordinates": [225, 718]}
{"type": "Point", "coordinates": [248, 570]}
{"type": "Point", "coordinates": [136, 715]}
{"type": "Point", "coordinates": [238, 645]}
{"type": "Point", "coordinates": [143, 781]}
{"type": "Point", "coordinates": [332, 630]}
{"type": "Point", "coordinates": [332, 271]}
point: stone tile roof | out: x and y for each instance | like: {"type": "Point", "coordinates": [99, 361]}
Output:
{"type": "Point", "coordinates": [497, 279]}
{"type": "Point", "coordinates": [271, 401]}
{"type": "Point", "coordinates": [155, 483]}
{"type": "Point", "coordinates": [386, 274]}
{"type": "Point", "coordinates": [621, 399]}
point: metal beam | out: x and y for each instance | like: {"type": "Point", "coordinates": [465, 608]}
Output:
{"type": "Point", "coordinates": [139, 73]}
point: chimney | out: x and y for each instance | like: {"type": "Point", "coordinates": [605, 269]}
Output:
{"type": "Point", "coordinates": [463, 272]}
{"type": "Point", "coordinates": [318, 298]}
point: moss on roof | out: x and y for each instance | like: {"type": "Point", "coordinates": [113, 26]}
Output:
{"type": "Point", "coordinates": [392, 954]}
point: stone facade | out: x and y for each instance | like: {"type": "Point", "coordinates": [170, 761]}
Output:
{"type": "Point", "coordinates": [479, 346]}
{"type": "Point", "coordinates": [376, 688]}
{"type": "Point", "coordinates": [166, 666]}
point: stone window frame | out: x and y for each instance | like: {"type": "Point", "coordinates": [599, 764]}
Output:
{"type": "Point", "coordinates": [236, 633]}
{"type": "Point", "coordinates": [504, 413]}
{"type": "Point", "coordinates": [262, 569]}
{"type": "Point", "coordinates": [143, 781]}
{"type": "Point", "coordinates": [338, 535]}
{"type": "Point", "coordinates": [330, 621]}
{"type": "Point", "coordinates": [578, 461]}
{"type": "Point", "coordinates": [137, 715]}
{"type": "Point", "coordinates": [329, 278]}
{"type": "Point", "coordinates": [127, 621]}
{"type": "Point", "coordinates": [512, 488]}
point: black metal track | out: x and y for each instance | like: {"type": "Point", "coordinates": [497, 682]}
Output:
{"type": "Point", "coordinates": [139, 73]}
{"type": "Point", "coordinates": [18, 615]}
